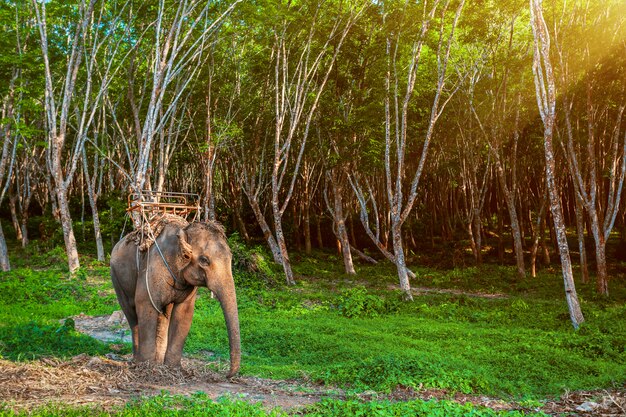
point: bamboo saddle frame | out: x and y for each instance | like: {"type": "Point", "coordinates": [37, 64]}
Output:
{"type": "Point", "coordinates": [149, 204]}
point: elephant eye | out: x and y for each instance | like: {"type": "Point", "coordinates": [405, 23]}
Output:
{"type": "Point", "coordinates": [204, 260]}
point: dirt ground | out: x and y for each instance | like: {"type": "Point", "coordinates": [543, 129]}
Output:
{"type": "Point", "coordinates": [113, 380]}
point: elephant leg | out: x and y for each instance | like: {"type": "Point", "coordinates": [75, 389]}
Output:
{"type": "Point", "coordinates": [180, 322]}
{"type": "Point", "coordinates": [133, 323]}
{"type": "Point", "coordinates": [147, 332]}
{"type": "Point", "coordinates": [127, 302]}
{"type": "Point", "coordinates": [161, 333]}
{"type": "Point", "coordinates": [134, 328]}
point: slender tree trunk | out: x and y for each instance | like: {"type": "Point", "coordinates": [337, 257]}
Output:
{"type": "Point", "coordinates": [68, 230]}
{"type": "Point", "coordinates": [353, 236]}
{"type": "Point", "coordinates": [340, 223]}
{"type": "Point", "coordinates": [306, 220]}
{"type": "Point", "coordinates": [14, 220]}
{"type": "Point", "coordinates": [478, 237]}
{"type": "Point", "coordinates": [282, 244]}
{"type": "Point", "coordinates": [363, 256]}
{"type": "Point", "coordinates": [267, 232]}
{"type": "Point", "coordinates": [54, 206]}
{"type": "Point", "coordinates": [537, 233]}
{"type": "Point", "coordinates": [374, 236]}
{"type": "Point", "coordinates": [296, 225]}
{"type": "Point", "coordinates": [400, 262]}
{"type": "Point", "coordinates": [509, 198]}
{"type": "Point", "coordinates": [546, 101]}
{"type": "Point", "coordinates": [470, 234]}
{"type": "Point", "coordinates": [24, 226]}
{"type": "Point", "coordinates": [241, 225]}
{"type": "Point", "coordinates": [580, 230]}
{"type": "Point", "coordinates": [501, 248]}
{"type": "Point", "coordinates": [93, 203]}
{"type": "Point", "coordinates": [600, 245]}
{"type": "Point", "coordinates": [576, 314]}
{"type": "Point", "coordinates": [545, 249]}
{"type": "Point", "coordinates": [318, 231]}
{"type": "Point", "coordinates": [5, 265]}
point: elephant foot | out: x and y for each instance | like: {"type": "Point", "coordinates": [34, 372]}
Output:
{"type": "Point", "coordinates": [173, 361]}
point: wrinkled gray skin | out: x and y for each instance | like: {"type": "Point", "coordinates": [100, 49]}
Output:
{"type": "Point", "coordinates": [199, 256]}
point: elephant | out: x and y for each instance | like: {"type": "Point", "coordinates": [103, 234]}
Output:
{"type": "Point", "coordinates": [156, 288]}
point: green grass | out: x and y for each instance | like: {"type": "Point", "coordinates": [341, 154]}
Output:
{"type": "Point", "coordinates": [199, 404]}
{"type": "Point", "coordinates": [163, 405]}
{"type": "Point", "coordinates": [505, 347]}
{"type": "Point", "coordinates": [35, 304]}
{"type": "Point", "coordinates": [355, 333]}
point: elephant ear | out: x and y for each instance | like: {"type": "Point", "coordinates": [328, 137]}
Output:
{"type": "Point", "coordinates": [186, 251]}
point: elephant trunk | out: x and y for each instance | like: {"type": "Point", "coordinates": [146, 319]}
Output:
{"type": "Point", "coordinates": [228, 300]}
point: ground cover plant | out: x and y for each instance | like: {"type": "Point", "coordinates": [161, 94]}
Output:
{"type": "Point", "coordinates": [465, 333]}
{"type": "Point", "coordinates": [363, 337]}
{"type": "Point", "coordinates": [199, 404]}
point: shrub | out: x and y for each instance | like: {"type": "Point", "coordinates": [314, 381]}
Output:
{"type": "Point", "coordinates": [386, 372]}
{"type": "Point", "coordinates": [357, 302]}
{"type": "Point", "coordinates": [251, 268]}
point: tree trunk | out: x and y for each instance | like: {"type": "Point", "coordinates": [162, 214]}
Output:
{"type": "Point", "coordinates": [53, 200]}
{"type": "Point", "coordinates": [470, 233]}
{"type": "Point", "coordinates": [241, 226]}
{"type": "Point", "coordinates": [477, 242]}
{"type": "Point", "coordinates": [14, 220]}
{"type": "Point", "coordinates": [267, 233]}
{"type": "Point", "coordinates": [600, 244]}
{"type": "Point", "coordinates": [24, 226]}
{"type": "Point", "coordinates": [580, 230]}
{"type": "Point", "coordinates": [576, 314]}
{"type": "Point", "coordinates": [342, 234]}
{"type": "Point", "coordinates": [537, 232]}
{"type": "Point", "coordinates": [501, 248]}
{"type": "Point", "coordinates": [306, 208]}
{"type": "Point", "coordinates": [400, 262]}
{"type": "Point", "coordinates": [307, 224]}
{"type": "Point", "coordinates": [96, 228]}
{"type": "Point", "coordinates": [5, 265]}
{"type": "Point", "coordinates": [296, 223]}
{"type": "Point", "coordinates": [363, 256]}
{"type": "Point", "coordinates": [68, 230]}
{"type": "Point", "coordinates": [353, 236]}
{"type": "Point", "coordinates": [545, 250]}
{"type": "Point", "coordinates": [318, 230]}
{"type": "Point", "coordinates": [282, 245]}
{"type": "Point", "coordinates": [93, 202]}
{"type": "Point", "coordinates": [336, 210]}
{"type": "Point", "coordinates": [509, 198]}
{"type": "Point", "coordinates": [546, 101]}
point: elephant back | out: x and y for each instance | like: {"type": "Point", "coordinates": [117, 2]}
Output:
{"type": "Point", "coordinates": [145, 235]}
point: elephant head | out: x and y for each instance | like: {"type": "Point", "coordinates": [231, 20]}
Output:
{"type": "Point", "coordinates": [205, 258]}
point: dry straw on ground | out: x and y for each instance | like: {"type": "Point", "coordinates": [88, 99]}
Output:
{"type": "Point", "coordinates": [105, 383]}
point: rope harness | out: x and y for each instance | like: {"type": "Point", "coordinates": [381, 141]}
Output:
{"type": "Point", "coordinates": [139, 236]}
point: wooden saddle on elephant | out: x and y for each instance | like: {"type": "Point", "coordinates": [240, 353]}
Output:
{"type": "Point", "coordinates": [151, 203]}
{"type": "Point", "coordinates": [156, 209]}
{"type": "Point", "coordinates": [146, 234]}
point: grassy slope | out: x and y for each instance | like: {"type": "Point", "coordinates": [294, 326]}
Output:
{"type": "Point", "coordinates": [358, 335]}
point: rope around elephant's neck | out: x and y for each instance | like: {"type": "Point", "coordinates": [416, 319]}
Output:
{"type": "Point", "coordinates": [156, 244]}
{"type": "Point", "coordinates": [167, 265]}
{"type": "Point", "coordinates": [148, 285]}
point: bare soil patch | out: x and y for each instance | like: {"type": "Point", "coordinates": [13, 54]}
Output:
{"type": "Point", "coordinates": [426, 290]}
